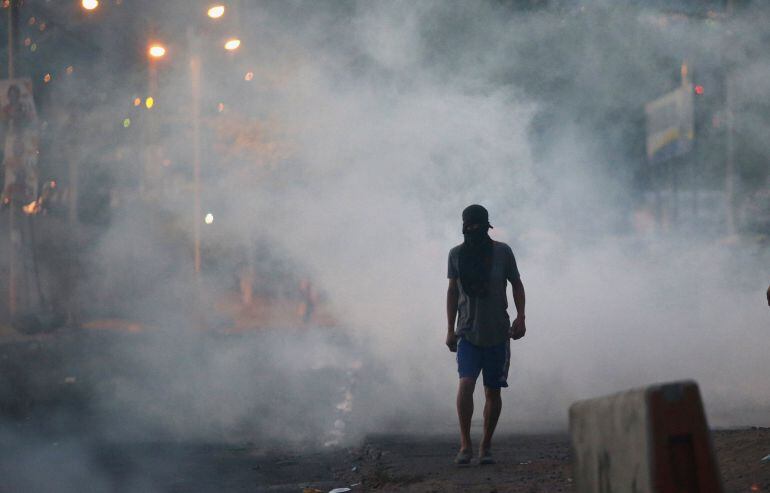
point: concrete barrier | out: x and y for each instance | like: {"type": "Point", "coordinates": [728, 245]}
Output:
{"type": "Point", "coordinates": [652, 439]}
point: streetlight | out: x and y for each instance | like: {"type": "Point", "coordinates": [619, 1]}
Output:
{"type": "Point", "coordinates": [89, 4]}
{"type": "Point", "coordinates": [216, 11]}
{"type": "Point", "coordinates": [156, 50]}
{"type": "Point", "coordinates": [232, 44]}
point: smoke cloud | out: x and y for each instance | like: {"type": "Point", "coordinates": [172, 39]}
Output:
{"type": "Point", "coordinates": [366, 129]}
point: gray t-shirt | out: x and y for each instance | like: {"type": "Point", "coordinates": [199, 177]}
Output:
{"type": "Point", "coordinates": [484, 321]}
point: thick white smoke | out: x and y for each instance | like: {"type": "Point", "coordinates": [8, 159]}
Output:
{"type": "Point", "coordinates": [379, 123]}
{"type": "Point", "coordinates": [403, 115]}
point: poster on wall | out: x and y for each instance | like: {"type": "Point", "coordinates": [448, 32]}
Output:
{"type": "Point", "coordinates": [20, 137]}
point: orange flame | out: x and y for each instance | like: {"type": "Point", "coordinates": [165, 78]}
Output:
{"type": "Point", "coordinates": [32, 208]}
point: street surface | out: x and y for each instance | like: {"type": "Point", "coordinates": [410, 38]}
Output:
{"type": "Point", "coordinates": [66, 425]}
{"type": "Point", "coordinates": [526, 463]}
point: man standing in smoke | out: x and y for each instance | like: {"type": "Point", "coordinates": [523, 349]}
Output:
{"type": "Point", "coordinates": [479, 271]}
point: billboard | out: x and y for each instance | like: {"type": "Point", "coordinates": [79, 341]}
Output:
{"type": "Point", "coordinates": [670, 125]}
{"type": "Point", "coordinates": [19, 136]}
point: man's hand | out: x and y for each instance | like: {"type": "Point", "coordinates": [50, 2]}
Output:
{"type": "Point", "coordinates": [451, 341]}
{"type": "Point", "coordinates": [518, 328]}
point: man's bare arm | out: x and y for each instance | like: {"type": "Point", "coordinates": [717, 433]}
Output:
{"type": "Point", "coordinates": [519, 298]}
{"type": "Point", "coordinates": [519, 326]}
{"type": "Point", "coordinates": [452, 296]}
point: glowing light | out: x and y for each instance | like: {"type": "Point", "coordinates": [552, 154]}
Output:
{"type": "Point", "coordinates": [216, 11]}
{"type": "Point", "coordinates": [127, 123]}
{"type": "Point", "coordinates": [249, 76]}
{"type": "Point", "coordinates": [221, 107]}
{"type": "Point", "coordinates": [232, 44]}
{"type": "Point", "coordinates": [90, 4]}
{"type": "Point", "coordinates": [149, 102]}
{"type": "Point", "coordinates": [47, 78]}
{"type": "Point", "coordinates": [31, 208]}
{"type": "Point", "coordinates": [157, 51]}
{"type": "Point", "coordinates": [209, 219]}
{"type": "Point", "coordinates": [137, 101]}
{"type": "Point", "coordinates": [33, 47]}
{"type": "Point", "coordinates": [699, 90]}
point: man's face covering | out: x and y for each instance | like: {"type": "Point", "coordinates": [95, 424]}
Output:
{"type": "Point", "coordinates": [475, 260]}
{"type": "Point", "coordinates": [475, 234]}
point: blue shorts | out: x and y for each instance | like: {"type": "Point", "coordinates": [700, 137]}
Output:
{"type": "Point", "coordinates": [493, 361]}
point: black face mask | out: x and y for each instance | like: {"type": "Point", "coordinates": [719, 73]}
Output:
{"type": "Point", "coordinates": [475, 262]}
{"type": "Point", "coordinates": [475, 237]}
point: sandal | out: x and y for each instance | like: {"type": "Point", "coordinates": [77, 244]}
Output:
{"type": "Point", "coordinates": [485, 458]}
{"type": "Point", "coordinates": [463, 458]}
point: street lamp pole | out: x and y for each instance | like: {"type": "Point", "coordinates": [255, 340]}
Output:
{"type": "Point", "coordinates": [155, 54]}
{"type": "Point", "coordinates": [195, 87]}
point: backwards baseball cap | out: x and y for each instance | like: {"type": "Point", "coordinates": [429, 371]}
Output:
{"type": "Point", "coordinates": [476, 214]}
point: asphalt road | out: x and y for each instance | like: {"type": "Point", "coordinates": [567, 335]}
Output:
{"type": "Point", "coordinates": [69, 423]}
{"type": "Point", "coordinates": [412, 463]}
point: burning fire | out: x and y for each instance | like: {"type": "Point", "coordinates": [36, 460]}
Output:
{"type": "Point", "coordinates": [32, 208]}
{"type": "Point", "coordinates": [37, 205]}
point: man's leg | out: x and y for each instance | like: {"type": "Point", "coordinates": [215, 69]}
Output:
{"type": "Point", "coordinates": [492, 409]}
{"type": "Point", "coordinates": [465, 411]}
{"type": "Point", "coordinates": [496, 363]}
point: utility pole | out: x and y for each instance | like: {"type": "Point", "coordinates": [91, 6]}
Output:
{"type": "Point", "coordinates": [194, 51]}
{"type": "Point", "coordinates": [13, 236]}
{"type": "Point", "coordinates": [730, 140]}
{"type": "Point", "coordinates": [73, 230]}
{"type": "Point", "coordinates": [195, 87]}
{"type": "Point", "coordinates": [730, 157]}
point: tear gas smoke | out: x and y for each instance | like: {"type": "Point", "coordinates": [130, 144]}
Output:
{"type": "Point", "coordinates": [378, 123]}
